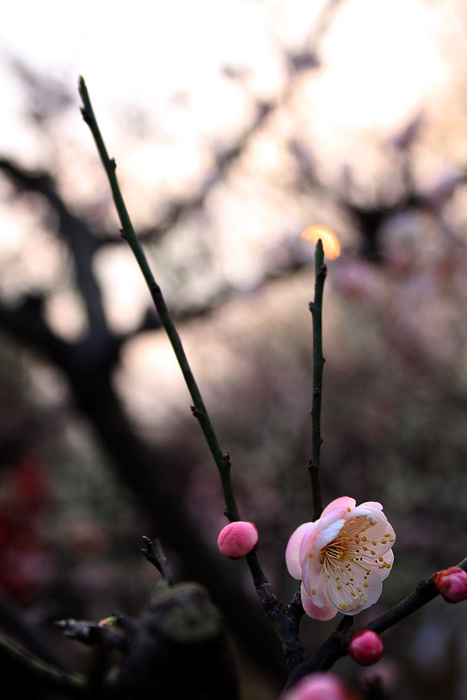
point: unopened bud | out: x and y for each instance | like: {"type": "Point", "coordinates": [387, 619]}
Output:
{"type": "Point", "coordinates": [366, 647]}
{"type": "Point", "coordinates": [452, 584]}
{"type": "Point", "coordinates": [238, 539]}
{"type": "Point", "coordinates": [319, 686]}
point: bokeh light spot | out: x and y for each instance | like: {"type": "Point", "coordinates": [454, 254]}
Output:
{"type": "Point", "coordinates": [331, 245]}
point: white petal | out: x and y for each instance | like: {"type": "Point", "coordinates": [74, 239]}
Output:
{"type": "Point", "coordinates": [369, 539]}
{"type": "Point", "coordinates": [354, 588]}
{"type": "Point", "coordinates": [372, 514]}
{"type": "Point", "coordinates": [307, 543]}
{"type": "Point", "coordinates": [292, 552]}
{"type": "Point", "coordinates": [371, 504]}
{"type": "Point", "coordinates": [388, 560]}
{"type": "Point", "coordinates": [326, 532]}
{"type": "Point", "coordinates": [315, 581]}
{"type": "Point", "coordinates": [343, 503]}
{"type": "Point", "coordinates": [325, 612]}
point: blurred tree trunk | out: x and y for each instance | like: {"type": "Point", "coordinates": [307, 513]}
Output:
{"type": "Point", "coordinates": [88, 366]}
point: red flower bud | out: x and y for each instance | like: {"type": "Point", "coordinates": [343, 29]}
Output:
{"type": "Point", "coordinates": [366, 647]}
{"type": "Point", "coordinates": [319, 686]}
{"type": "Point", "coordinates": [238, 539]}
{"type": "Point", "coordinates": [452, 584]}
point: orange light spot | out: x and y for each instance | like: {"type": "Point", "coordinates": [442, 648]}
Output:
{"type": "Point", "coordinates": [331, 245]}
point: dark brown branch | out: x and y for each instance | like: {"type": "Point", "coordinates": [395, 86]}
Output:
{"type": "Point", "coordinates": [285, 623]}
{"type": "Point", "coordinates": [337, 644]}
{"type": "Point", "coordinates": [73, 230]}
{"type": "Point", "coordinates": [147, 471]}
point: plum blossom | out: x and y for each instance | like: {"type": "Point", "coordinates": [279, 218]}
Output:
{"type": "Point", "coordinates": [342, 558]}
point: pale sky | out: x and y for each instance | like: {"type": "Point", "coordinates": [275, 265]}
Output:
{"type": "Point", "coordinates": [383, 61]}
{"type": "Point", "coordinates": [155, 50]}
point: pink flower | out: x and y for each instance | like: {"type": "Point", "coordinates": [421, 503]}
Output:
{"type": "Point", "coordinates": [366, 647]}
{"type": "Point", "coordinates": [238, 539]}
{"type": "Point", "coordinates": [319, 686]}
{"type": "Point", "coordinates": [342, 558]}
{"type": "Point", "coordinates": [452, 584]}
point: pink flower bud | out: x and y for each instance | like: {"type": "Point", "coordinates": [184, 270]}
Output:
{"type": "Point", "coordinates": [366, 647]}
{"type": "Point", "coordinates": [452, 584]}
{"type": "Point", "coordinates": [319, 686]}
{"type": "Point", "coordinates": [238, 539]}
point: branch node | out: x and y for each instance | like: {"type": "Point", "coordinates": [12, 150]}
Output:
{"type": "Point", "coordinates": [86, 116]}
{"type": "Point", "coordinates": [155, 556]}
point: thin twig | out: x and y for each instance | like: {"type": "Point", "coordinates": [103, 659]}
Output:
{"type": "Point", "coordinates": [155, 556]}
{"type": "Point", "coordinates": [45, 675]}
{"type": "Point", "coordinates": [316, 308]}
{"type": "Point", "coordinates": [198, 408]}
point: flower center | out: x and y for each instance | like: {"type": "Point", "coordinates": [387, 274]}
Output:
{"type": "Point", "coordinates": [336, 553]}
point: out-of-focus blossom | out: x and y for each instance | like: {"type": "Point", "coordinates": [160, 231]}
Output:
{"type": "Point", "coordinates": [452, 584]}
{"type": "Point", "coordinates": [238, 539]}
{"type": "Point", "coordinates": [320, 686]}
{"type": "Point", "coordinates": [342, 558]}
{"type": "Point", "coordinates": [366, 647]}
{"type": "Point", "coordinates": [357, 280]}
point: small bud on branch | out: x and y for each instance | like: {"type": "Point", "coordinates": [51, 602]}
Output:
{"type": "Point", "coordinates": [238, 539]}
{"type": "Point", "coordinates": [452, 584]}
{"type": "Point", "coordinates": [366, 647]}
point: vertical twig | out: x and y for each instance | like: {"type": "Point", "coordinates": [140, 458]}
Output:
{"type": "Point", "coordinates": [199, 410]}
{"type": "Point", "coordinates": [316, 308]}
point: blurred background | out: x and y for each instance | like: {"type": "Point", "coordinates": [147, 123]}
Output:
{"type": "Point", "coordinates": [241, 131]}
